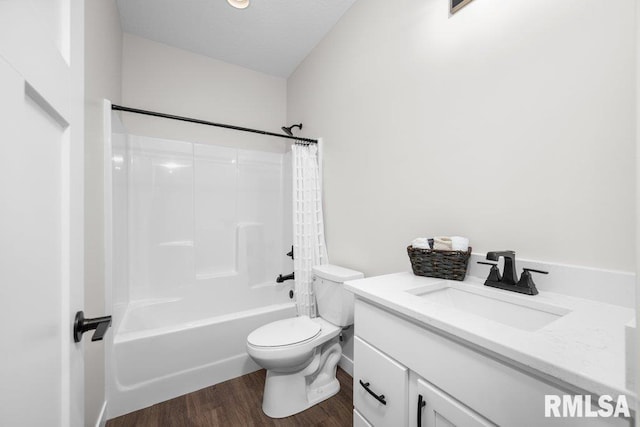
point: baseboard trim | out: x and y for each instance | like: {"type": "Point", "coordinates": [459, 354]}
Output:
{"type": "Point", "coordinates": [346, 364]}
{"type": "Point", "coordinates": [102, 417]}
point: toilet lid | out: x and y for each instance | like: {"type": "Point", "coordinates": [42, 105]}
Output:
{"type": "Point", "coordinates": [284, 332]}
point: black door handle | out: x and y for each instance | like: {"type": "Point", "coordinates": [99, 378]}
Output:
{"type": "Point", "coordinates": [82, 325]}
{"type": "Point", "coordinates": [379, 398]}
{"type": "Point", "coordinates": [421, 404]}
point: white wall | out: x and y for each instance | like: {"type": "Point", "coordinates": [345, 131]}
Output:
{"type": "Point", "coordinates": [103, 53]}
{"type": "Point", "coordinates": [161, 78]}
{"type": "Point", "coordinates": [511, 122]}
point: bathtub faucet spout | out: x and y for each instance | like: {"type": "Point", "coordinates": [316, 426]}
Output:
{"type": "Point", "coordinates": [282, 278]}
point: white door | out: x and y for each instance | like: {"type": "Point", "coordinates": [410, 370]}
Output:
{"type": "Point", "coordinates": [41, 211]}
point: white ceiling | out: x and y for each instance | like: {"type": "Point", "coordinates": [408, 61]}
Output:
{"type": "Point", "coordinates": [270, 36]}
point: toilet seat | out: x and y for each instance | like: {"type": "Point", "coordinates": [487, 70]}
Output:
{"type": "Point", "coordinates": [286, 332]}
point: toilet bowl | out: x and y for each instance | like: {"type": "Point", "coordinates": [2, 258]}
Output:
{"type": "Point", "coordinates": [301, 354]}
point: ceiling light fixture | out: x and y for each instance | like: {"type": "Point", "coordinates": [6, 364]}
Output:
{"type": "Point", "coordinates": [239, 4]}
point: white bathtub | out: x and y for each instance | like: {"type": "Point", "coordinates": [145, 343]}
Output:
{"type": "Point", "coordinates": [166, 349]}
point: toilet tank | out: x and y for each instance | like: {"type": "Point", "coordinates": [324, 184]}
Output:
{"type": "Point", "coordinates": [334, 302]}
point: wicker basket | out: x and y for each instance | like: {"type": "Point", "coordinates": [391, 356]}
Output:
{"type": "Point", "coordinates": [451, 265]}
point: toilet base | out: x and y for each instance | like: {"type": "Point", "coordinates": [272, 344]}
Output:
{"type": "Point", "coordinates": [286, 394]}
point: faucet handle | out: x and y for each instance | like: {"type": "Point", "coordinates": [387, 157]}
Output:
{"type": "Point", "coordinates": [526, 281]}
{"type": "Point", "coordinates": [533, 270]}
{"type": "Point", "coordinates": [494, 273]}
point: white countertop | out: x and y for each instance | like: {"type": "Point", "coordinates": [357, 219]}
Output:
{"type": "Point", "coordinates": [584, 348]}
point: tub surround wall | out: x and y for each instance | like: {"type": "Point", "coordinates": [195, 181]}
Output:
{"type": "Point", "coordinates": [510, 122]}
{"type": "Point", "coordinates": [103, 79]}
{"type": "Point", "coordinates": [205, 217]}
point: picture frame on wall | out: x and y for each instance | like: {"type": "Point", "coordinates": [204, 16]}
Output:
{"type": "Point", "coordinates": [456, 5]}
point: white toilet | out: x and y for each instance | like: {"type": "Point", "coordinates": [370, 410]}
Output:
{"type": "Point", "coordinates": [301, 354]}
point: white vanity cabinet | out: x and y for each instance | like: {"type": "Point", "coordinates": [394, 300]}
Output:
{"type": "Point", "coordinates": [461, 385]}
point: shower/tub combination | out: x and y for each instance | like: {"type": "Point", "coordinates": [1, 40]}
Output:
{"type": "Point", "coordinates": [196, 236]}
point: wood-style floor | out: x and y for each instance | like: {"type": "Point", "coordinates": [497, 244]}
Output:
{"type": "Point", "coordinates": [238, 402]}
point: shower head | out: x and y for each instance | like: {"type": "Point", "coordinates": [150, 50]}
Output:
{"type": "Point", "coordinates": [287, 130]}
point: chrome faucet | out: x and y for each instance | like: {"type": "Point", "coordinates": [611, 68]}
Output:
{"type": "Point", "coordinates": [508, 280]}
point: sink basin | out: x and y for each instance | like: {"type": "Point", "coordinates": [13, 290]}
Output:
{"type": "Point", "coordinates": [511, 310]}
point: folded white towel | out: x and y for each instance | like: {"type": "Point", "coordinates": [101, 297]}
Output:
{"type": "Point", "coordinates": [421, 243]}
{"type": "Point", "coordinates": [442, 243]}
{"type": "Point", "coordinates": [459, 243]}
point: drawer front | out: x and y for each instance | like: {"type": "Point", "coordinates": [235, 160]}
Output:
{"type": "Point", "coordinates": [358, 420]}
{"type": "Point", "coordinates": [380, 386]}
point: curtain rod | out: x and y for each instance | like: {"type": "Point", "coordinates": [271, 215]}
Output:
{"type": "Point", "coordinates": [204, 122]}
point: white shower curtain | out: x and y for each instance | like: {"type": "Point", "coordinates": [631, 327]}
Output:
{"type": "Point", "coordinates": [309, 247]}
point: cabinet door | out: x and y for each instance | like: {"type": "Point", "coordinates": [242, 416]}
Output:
{"type": "Point", "coordinates": [359, 420]}
{"type": "Point", "coordinates": [380, 386]}
{"type": "Point", "coordinates": [437, 409]}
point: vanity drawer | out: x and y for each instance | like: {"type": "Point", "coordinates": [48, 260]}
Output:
{"type": "Point", "coordinates": [380, 386]}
